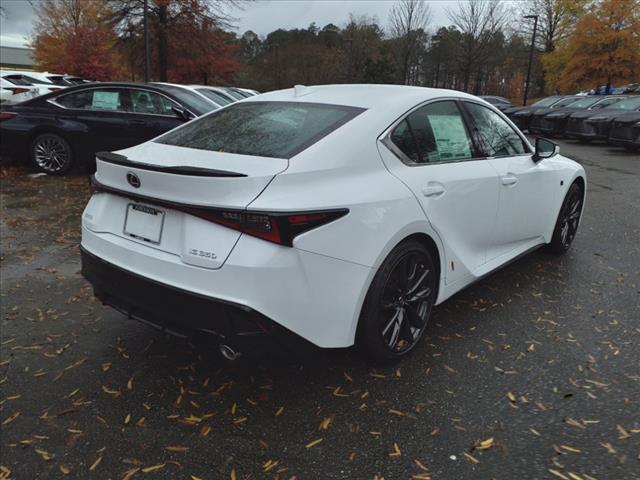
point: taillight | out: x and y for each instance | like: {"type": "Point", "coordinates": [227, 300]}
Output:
{"type": "Point", "coordinates": [6, 115]}
{"type": "Point", "coordinates": [276, 227]}
{"type": "Point", "coordinates": [17, 90]}
{"type": "Point", "coordinates": [54, 89]}
{"type": "Point", "coordinates": [280, 228]}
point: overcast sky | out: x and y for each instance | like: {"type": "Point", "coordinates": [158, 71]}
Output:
{"type": "Point", "coordinates": [261, 16]}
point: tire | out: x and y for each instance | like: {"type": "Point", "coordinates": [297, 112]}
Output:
{"type": "Point", "coordinates": [51, 154]}
{"type": "Point", "coordinates": [568, 220]}
{"type": "Point", "coordinates": [398, 304]}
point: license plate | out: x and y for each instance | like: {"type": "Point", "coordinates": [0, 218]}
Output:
{"type": "Point", "coordinates": [144, 222]}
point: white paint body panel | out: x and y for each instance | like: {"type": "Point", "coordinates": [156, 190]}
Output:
{"type": "Point", "coordinates": [317, 287]}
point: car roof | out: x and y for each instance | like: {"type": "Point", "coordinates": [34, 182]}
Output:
{"type": "Point", "coordinates": [371, 97]}
{"type": "Point", "coordinates": [91, 85]}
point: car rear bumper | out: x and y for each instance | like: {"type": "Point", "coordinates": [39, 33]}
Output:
{"type": "Point", "coordinates": [178, 311]}
{"type": "Point", "coordinates": [622, 142]}
{"type": "Point", "coordinates": [625, 135]}
{"type": "Point", "coordinates": [314, 296]}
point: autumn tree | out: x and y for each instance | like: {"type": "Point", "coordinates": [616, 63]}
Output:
{"type": "Point", "coordinates": [408, 22]}
{"type": "Point", "coordinates": [76, 37]}
{"type": "Point", "coordinates": [604, 48]}
{"type": "Point", "coordinates": [556, 20]}
{"type": "Point", "coordinates": [167, 19]}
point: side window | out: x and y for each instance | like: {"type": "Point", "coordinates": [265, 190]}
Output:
{"type": "Point", "coordinates": [405, 141]}
{"type": "Point", "coordinates": [145, 101]}
{"type": "Point", "coordinates": [107, 99]}
{"type": "Point", "coordinates": [434, 133]}
{"type": "Point", "coordinates": [498, 138]}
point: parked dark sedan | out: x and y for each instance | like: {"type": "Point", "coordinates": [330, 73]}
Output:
{"type": "Point", "coordinates": [595, 124]}
{"type": "Point", "coordinates": [625, 131]}
{"type": "Point", "coordinates": [522, 117]}
{"type": "Point", "coordinates": [545, 102]}
{"type": "Point", "coordinates": [500, 103]}
{"type": "Point", "coordinates": [60, 130]}
{"type": "Point", "coordinates": [553, 122]}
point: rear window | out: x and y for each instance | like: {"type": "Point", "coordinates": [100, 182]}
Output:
{"type": "Point", "coordinates": [191, 100]}
{"type": "Point", "coordinates": [57, 80]}
{"type": "Point", "coordinates": [628, 104]}
{"type": "Point", "coordinates": [265, 129]}
{"type": "Point", "coordinates": [567, 102]}
{"type": "Point", "coordinates": [36, 81]}
{"type": "Point", "coordinates": [545, 102]}
{"type": "Point", "coordinates": [585, 102]}
{"type": "Point", "coordinates": [18, 80]}
{"type": "Point", "coordinates": [215, 96]}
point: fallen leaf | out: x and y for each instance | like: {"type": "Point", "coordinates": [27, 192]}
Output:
{"type": "Point", "coordinates": [488, 443]}
{"type": "Point", "coordinates": [176, 449]}
{"type": "Point", "coordinates": [95, 464]}
{"type": "Point", "coordinates": [313, 443]}
{"type": "Point", "coordinates": [558, 474]}
{"type": "Point", "coordinates": [153, 468]}
{"type": "Point", "coordinates": [396, 451]}
{"type": "Point", "coordinates": [471, 457]}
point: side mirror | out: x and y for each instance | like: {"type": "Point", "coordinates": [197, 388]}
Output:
{"type": "Point", "coordinates": [545, 149]}
{"type": "Point", "coordinates": [183, 113]}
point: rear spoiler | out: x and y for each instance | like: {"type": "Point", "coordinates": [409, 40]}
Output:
{"type": "Point", "coordinates": [117, 159]}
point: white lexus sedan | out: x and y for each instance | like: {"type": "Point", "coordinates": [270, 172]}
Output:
{"type": "Point", "coordinates": [335, 214]}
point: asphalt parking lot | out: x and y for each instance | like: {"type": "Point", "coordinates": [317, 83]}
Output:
{"type": "Point", "coordinates": [532, 373]}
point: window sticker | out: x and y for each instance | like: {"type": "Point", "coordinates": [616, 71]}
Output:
{"type": "Point", "coordinates": [451, 138]}
{"type": "Point", "coordinates": [105, 100]}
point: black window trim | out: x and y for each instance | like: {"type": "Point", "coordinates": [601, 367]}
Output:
{"type": "Point", "coordinates": [122, 87]}
{"type": "Point", "coordinates": [480, 144]}
{"type": "Point", "coordinates": [385, 137]}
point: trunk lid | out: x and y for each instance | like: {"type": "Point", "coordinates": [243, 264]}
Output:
{"type": "Point", "coordinates": [189, 176]}
{"type": "Point", "coordinates": [145, 187]}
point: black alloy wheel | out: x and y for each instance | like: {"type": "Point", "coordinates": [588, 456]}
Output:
{"type": "Point", "coordinates": [399, 302]}
{"type": "Point", "coordinates": [50, 153]}
{"type": "Point", "coordinates": [568, 220]}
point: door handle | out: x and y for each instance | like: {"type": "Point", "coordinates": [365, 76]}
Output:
{"type": "Point", "coordinates": [137, 122]}
{"type": "Point", "coordinates": [433, 190]}
{"type": "Point", "coordinates": [509, 179]}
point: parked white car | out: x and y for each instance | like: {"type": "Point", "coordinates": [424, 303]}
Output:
{"type": "Point", "coordinates": [37, 79]}
{"type": "Point", "coordinates": [339, 214]}
{"type": "Point", "coordinates": [16, 92]}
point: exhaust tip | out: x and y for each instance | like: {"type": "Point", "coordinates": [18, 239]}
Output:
{"type": "Point", "coordinates": [228, 352]}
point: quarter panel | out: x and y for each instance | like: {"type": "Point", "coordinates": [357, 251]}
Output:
{"type": "Point", "coordinates": [379, 207]}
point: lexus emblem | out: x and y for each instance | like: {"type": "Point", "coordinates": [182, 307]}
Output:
{"type": "Point", "coordinates": [133, 180]}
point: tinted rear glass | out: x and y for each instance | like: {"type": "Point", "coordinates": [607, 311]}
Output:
{"type": "Point", "coordinates": [628, 104]}
{"type": "Point", "coordinates": [18, 80]}
{"type": "Point", "coordinates": [57, 80]}
{"type": "Point", "coordinates": [265, 129]}
{"type": "Point", "coordinates": [36, 81]}
{"type": "Point", "coordinates": [585, 102]}
{"type": "Point", "coordinates": [191, 100]}
{"type": "Point", "coordinates": [567, 102]}
{"type": "Point", "coordinates": [234, 94]}
{"type": "Point", "coordinates": [215, 96]}
{"type": "Point", "coordinates": [545, 102]}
